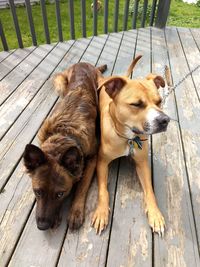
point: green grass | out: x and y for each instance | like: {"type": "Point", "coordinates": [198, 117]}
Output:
{"type": "Point", "coordinates": [181, 14]}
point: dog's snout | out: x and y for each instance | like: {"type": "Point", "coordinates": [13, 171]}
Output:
{"type": "Point", "coordinates": [163, 120]}
{"type": "Point", "coordinates": [43, 223]}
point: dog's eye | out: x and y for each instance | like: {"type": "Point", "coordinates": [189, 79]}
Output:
{"type": "Point", "coordinates": [59, 194]}
{"type": "Point", "coordinates": [137, 104]}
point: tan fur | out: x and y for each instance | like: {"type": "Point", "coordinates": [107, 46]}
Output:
{"type": "Point", "coordinates": [118, 115]}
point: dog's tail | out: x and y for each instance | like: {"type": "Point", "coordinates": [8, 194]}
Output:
{"type": "Point", "coordinates": [102, 68]}
{"type": "Point", "coordinates": [60, 84]}
{"type": "Point", "coordinates": [132, 65]}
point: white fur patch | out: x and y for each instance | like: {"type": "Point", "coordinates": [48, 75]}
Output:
{"type": "Point", "coordinates": [151, 117]}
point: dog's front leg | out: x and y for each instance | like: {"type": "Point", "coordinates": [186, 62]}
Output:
{"type": "Point", "coordinates": [101, 214]}
{"type": "Point", "coordinates": [155, 218]}
{"type": "Point", "coordinates": [76, 215]}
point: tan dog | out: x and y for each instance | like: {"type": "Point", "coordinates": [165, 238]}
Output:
{"type": "Point", "coordinates": [130, 112]}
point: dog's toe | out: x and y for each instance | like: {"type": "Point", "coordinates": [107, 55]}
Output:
{"type": "Point", "coordinates": [100, 219]}
{"type": "Point", "coordinates": [156, 221]}
{"type": "Point", "coordinates": [75, 219]}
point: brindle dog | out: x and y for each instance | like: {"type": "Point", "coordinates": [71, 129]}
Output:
{"type": "Point", "coordinates": [68, 147]}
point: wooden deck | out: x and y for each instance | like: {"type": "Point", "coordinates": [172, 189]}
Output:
{"type": "Point", "coordinates": [27, 98]}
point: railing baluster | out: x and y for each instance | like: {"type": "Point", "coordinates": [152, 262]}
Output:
{"type": "Point", "coordinates": [58, 19]}
{"type": "Point", "coordinates": [16, 23]}
{"type": "Point", "coordinates": [144, 13]}
{"type": "Point", "coordinates": [83, 14]}
{"type": "Point", "coordinates": [94, 17]}
{"type": "Point", "coordinates": [126, 11]}
{"type": "Point", "coordinates": [31, 24]}
{"type": "Point", "coordinates": [105, 16]}
{"type": "Point", "coordinates": [135, 12]}
{"type": "Point", "coordinates": [71, 16]}
{"type": "Point", "coordinates": [45, 22]}
{"type": "Point", "coordinates": [162, 13]}
{"type": "Point", "coordinates": [3, 38]}
{"type": "Point", "coordinates": [153, 9]}
{"type": "Point", "coordinates": [116, 14]}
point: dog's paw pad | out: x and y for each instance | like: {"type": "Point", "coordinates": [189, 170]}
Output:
{"type": "Point", "coordinates": [100, 219]}
{"type": "Point", "coordinates": [75, 219]}
{"type": "Point", "coordinates": [156, 221]}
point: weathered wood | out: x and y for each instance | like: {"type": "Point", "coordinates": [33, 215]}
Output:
{"type": "Point", "coordinates": [106, 16]}
{"type": "Point", "coordinates": [170, 175]}
{"type": "Point", "coordinates": [130, 233]}
{"type": "Point", "coordinates": [135, 13]}
{"type": "Point", "coordinates": [5, 54]}
{"type": "Point", "coordinates": [189, 112]}
{"type": "Point", "coordinates": [192, 54]}
{"type": "Point", "coordinates": [162, 13]}
{"type": "Point", "coordinates": [30, 232]}
{"type": "Point", "coordinates": [153, 10]}
{"type": "Point", "coordinates": [85, 248]}
{"type": "Point", "coordinates": [21, 78]}
{"type": "Point", "coordinates": [83, 17]}
{"type": "Point", "coordinates": [95, 16]}
{"type": "Point", "coordinates": [11, 62]}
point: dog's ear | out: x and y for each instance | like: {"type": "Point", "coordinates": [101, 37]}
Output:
{"type": "Point", "coordinates": [113, 85]}
{"type": "Point", "coordinates": [72, 160]}
{"type": "Point", "coordinates": [158, 80]}
{"type": "Point", "coordinates": [33, 157]}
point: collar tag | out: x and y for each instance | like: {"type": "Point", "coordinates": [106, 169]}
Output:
{"type": "Point", "coordinates": [134, 143]}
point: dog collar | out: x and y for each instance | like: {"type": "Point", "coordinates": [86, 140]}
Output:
{"type": "Point", "coordinates": [134, 143]}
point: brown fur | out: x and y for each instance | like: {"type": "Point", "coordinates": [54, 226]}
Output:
{"type": "Point", "coordinates": [68, 147]}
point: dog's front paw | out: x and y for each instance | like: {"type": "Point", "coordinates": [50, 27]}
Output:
{"type": "Point", "coordinates": [156, 220]}
{"type": "Point", "coordinates": [100, 218]}
{"type": "Point", "coordinates": [76, 218]}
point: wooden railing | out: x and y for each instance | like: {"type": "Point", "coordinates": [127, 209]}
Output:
{"type": "Point", "coordinates": [159, 10]}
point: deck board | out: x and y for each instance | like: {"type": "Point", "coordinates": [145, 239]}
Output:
{"type": "Point", "coordinates": [27, 98]}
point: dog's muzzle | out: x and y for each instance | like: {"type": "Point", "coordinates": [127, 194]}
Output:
{"type": "Point", "coordinates": [158, 124]}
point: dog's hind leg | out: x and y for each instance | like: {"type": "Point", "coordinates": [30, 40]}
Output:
{"type": "Point", "coordinates": [76, 215]}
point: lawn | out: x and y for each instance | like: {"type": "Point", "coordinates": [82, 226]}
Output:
{"type": "Point", "coordinates": [181, 14]}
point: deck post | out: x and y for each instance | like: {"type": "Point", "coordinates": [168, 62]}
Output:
{"type": "Point", "coordinates": [162, 13]}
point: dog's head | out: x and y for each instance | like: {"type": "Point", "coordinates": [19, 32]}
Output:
{"type": "Point", "coordinates": [52, 181]}
{"type": "Point", "coordinates": [137, 103]}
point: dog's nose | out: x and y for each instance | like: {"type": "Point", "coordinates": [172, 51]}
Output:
{"type": "Point", "coordinates": [163, 120]}
{"type": "Point", "coordinates": [43, 224]}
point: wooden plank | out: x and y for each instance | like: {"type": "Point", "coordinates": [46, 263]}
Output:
{"type": "Point", "coordinates": [5, 54]}
{"type": "Point", "coordinates": [84, 247]}
{"type": "Point", "coordinates": [28, 73]}
{"type": "Point", "coordinates": [16, 76]}
{"type": "Point", "coordinates": [13, 202]}
{"type": "Point", "coordinates": [129, 220]}
{"type": "Point", "coordinates": [42, 240]}
{"type": "Point", "coordinates": [10, 63]}
{"type": "Point", "coordinates": [192, 54]}
{"type": "Point", "coordinates": [179, 245]}
{"type": "Point", "coordinates": [196, 35]}
{"type": "Point", "coordinates": [189, 112]}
